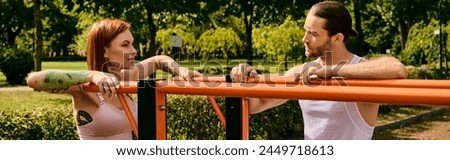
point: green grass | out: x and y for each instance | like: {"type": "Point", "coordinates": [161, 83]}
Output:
{"type": "Point", "coordinates": [64, 65]}
{"type": "Point", "coordinates": [403, 112]}
{"type": "Point", "coordinates": [26, 100]}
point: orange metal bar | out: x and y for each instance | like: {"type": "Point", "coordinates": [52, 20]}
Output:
{"type": "Point", "coordinates": [161, 131]}
{"type": "Point", "coordinates": [245, 120]}
{"type": "Point", "coordinates": [130, 116]}
{"type": "Point", "coordinates": [131, 86]}
{"type": "Point", "coordinates": [217, 110]}
{"type": "Point", "coordinates": [379, 91]}
{"type": "Point", "coordinates": [125, 87]}
{"type": "Point", "coordinates": [286, 91]}
{"type": "Point", "coordinates": [403, 83]}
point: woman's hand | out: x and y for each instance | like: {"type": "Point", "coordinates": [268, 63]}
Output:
{"type": "Point", "coordinates": [187, 75]}
{"type": "Point", "coordinates": [107, 83]}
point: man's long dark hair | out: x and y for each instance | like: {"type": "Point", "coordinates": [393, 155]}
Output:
{"type": "Point", "coordinates": [338, 19]}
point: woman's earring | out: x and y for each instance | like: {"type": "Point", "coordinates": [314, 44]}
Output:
{"type": "Point", "coordinates": [106, 56]}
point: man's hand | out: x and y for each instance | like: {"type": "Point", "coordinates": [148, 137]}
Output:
{"type": "Point", "coordinates": [312, 71]}
{"type": "Point", "coordinates": [241, 72]}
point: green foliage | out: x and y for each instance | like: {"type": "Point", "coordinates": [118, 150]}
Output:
{"type": "Point", "coordinates": [378, 33]}
{"type": "Point", "coordinates": [284, 41]}
{"type": "Point", "coordinates": [60, 28]}
{"type": "Point", "coordinates": [427, 74]}
{"type": "Point", "coordinates": [16, 65]}
{"type": "Point", "coordinates": [188, 117]}
{"type": "Point", "coordinates": [282, 122]}
{"type": "Point", "coordinates": [163, 40]}
{"type": "Point", "coordinates": [15, 16]}
{"type": "Point", "coordinates": [38, 124]}
{"type": "Point", "coordinates": [422, 46]}
{"type": "Point", "coordinates": [222, 41]}
{"type": "Point", "coordinates": [192, 117]}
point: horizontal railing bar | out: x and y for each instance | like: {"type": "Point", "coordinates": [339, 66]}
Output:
{"type": "Point", "coordinates": [131, 86]}
{"type": "Point", "coordinates": [288, 91]}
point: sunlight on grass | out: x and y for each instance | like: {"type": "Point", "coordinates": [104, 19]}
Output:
{"type": "Point", "coordinates": [65, 65]}
{"type": "Point", "coordinates": [26, 100]}
{"type": "Point", "coordinates": [402, 113]}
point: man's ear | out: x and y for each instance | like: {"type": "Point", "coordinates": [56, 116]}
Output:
{"type": "Point", "coordinates": [339, 38]}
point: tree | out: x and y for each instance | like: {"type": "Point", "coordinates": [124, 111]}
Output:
{"type": "Point", "coordinates": [60, 29]}
{"type": "Point", "coordinates": [221, 40]}
{"type": "Point", "coordinates": [38, 35]}
{"type": "Point", "coordinates": [378, 33]}
{"type": "Point", "coordinates": [284, 41]}
{"type": "Point", "coordinates": [163, 40]}
{"type": "Point", "coordinates": [14, 17]}
{"type": "Point", "coordinates": [357, 6]}
{"type": "Point", "coordinates": [139, 11]}
{"type": "Point", "coordinates": [422, 44]}
{"type": "Point", "coordinates": [403, 14]}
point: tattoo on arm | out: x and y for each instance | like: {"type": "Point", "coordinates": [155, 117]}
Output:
{"type": "Point", "coordinates": [83, 118]}
{"type": "Point", "coordinates": [56, 81]}
{"type": "Point", "coordinates": [166, 67]}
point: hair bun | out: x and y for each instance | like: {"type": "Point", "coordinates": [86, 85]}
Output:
{"type": "Point", "coordinates": [353, 33]}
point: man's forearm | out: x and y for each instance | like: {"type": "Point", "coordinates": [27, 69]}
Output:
{"type": "Point", "coordinates": [382, 68]}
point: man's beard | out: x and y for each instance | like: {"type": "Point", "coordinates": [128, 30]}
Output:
{"type": "Point", "coordinates": [321, 50]}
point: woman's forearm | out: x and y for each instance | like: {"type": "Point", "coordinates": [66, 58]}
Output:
{"type": "Point", "coordinates": [169, 65]}
{"type": "Point", "coordinates": [57, 79]}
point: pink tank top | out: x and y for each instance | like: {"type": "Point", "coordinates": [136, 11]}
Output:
{"type": "Point", "coordinates": [334, 120]}
{"type": "Point", "coordinates": [109, 123]}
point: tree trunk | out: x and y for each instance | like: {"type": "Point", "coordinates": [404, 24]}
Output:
{"type": "Point", "coordinates": [360, 39]}
{"type": "Point", "coordinates": [152, 29]}
{"type": "Point", "coordinates": [248, 21]}
{"type": "Point", "coordinates": [38, 34]}
{"type": "Point", "coordinates": [403, 29]}
{"type": "Point", "coordinates": [285, 63]}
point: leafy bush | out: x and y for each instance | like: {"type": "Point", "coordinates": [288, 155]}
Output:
{"type": "Point", "coordinates": [282, 122]}
{"type": "Point", "coordinates": [192, 117]}
{"type": "Point", "coordinates": [16, 65]}
{"type": "Point", "coordinates": [422, 46]}
{"type": "Point", "coordinates": [38, 124]}
{"type": "Point", "coordinates": [188, 117]}
{"type": "Point", "coordinates": [427, 74]}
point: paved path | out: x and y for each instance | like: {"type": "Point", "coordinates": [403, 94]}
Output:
{"type": "Point", "coordinates": [439, 128]}
{"type": "Point", "coordinates": [436, 127]}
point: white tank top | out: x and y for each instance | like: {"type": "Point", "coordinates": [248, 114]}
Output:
{"type": "Point", "coordinates": [109, 123]}
{"type": "Point", "coordinates": [334, 120]}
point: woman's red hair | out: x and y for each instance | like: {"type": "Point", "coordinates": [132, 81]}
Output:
{"type": "Point", "coordinates": [99, 37]}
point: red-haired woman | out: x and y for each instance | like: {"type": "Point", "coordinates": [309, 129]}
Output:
{"type": "Point", "coordinates": [110, 59]}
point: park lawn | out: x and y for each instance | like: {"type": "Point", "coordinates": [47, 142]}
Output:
{"type": "Point", "coordinates": [76, 65]}
{"type": "Point", "coordinates": [30, 100]}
